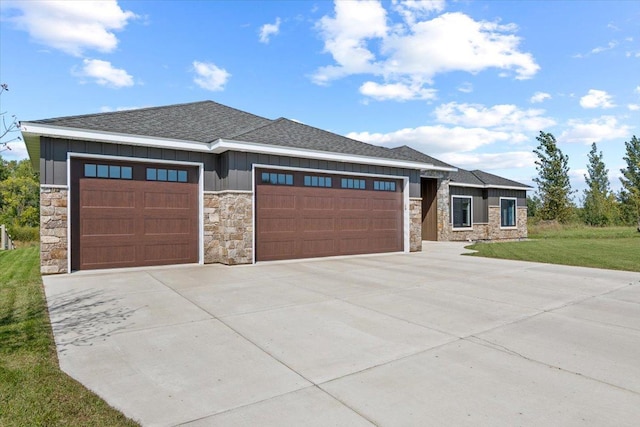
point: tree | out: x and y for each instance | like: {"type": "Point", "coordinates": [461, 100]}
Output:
{"type": "Point", "coordinates": [630, 193]}
{"type": "Point", "coordinates": [7, 127]}
{"type": "Point", "coordinates": [533, 206]}
{"type": "Point", "coordinates": [599, 204]}
{"type": "Point", "coordinates": [554, 188]}
{"type": "Point", "coordinates": [19, 194]}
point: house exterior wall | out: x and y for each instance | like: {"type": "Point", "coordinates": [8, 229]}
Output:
{"type": "Point", "coordinates": [488, 229]}
{"type": "Point", "coordinates": [228, 228]}
{"type": "Point", "coordinates": [53, 230]}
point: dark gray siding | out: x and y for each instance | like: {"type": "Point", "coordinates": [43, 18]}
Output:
{"type": "Point", "coordinates": [235, 171]}
{"type": "Point", "coordinates": [480, 202]}
{"type": "Point", "coordinates": [495, 194]}
{"type": "Point", "coordinates": [53, 158]}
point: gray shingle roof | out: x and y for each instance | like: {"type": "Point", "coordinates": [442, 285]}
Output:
{"type": "Point", "coordinates": [461, 176]}
{"type": "Point", "coordinates": [288, 133]}
{"type": "Point", "coordinates": [204, 121]}
{"type": "Point", "coordinates": [419, 156]}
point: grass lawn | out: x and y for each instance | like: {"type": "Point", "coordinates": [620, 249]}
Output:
{"type": "Point", "coordinates": [33, 390]}
{"type": "Point", "coordinates": [614, 248]}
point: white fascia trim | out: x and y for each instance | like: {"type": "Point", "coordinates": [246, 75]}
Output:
{"type": "Point", "coordinates": [112, 137]}
{"type": "Point", "coordinates": [222, 145]}
{"type": "Point", "coordinates": [443, 168]}
{"type": "Point", "coordinates": [218, 146]}
{"type": "Point", "coordinates": [499, 187]}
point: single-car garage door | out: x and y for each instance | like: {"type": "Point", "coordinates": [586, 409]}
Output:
{"type": "Point", "coordinates": [305, 215]}
{"type": "Point", "coordinates": [129, 214]}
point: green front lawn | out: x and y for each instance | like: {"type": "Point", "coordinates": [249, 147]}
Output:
{"type": "Point", "coordinates": [615, 248]}
{"type": "Point", "coordinates": [33, 390]}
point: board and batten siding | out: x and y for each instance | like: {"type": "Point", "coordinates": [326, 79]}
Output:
{"type": "Point", "coordinates": [236, 168]}
{"type": "Point", "coordinates": [53, 158]}
{"type": "Point", "coordinates": [496, 193]}
{"type": "Point", "coordinates": [480, 202]}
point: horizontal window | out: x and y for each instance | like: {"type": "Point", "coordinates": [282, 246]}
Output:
{"type": "Point", "coordinates": [276, 178]}
{"type": "Point", "coordinates": [169, 175]}
{"type": "Point", "coordinates": [358, 184]}
{"type": "Point", "coordinates": [107, 171]}
{"type": "Point", "coordinates": [317, 181]}
{"type": "Point", "coordinates": [384, 185]}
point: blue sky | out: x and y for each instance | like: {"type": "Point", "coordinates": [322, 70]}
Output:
{"type": "Point", "coordinates": [469, 82]}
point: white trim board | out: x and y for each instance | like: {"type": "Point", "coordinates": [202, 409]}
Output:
{"type": "Point", "coordinates": [218, 146]}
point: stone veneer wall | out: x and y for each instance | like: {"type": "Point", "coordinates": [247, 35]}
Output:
{"type": "Point", "coordinates": [415, 226]}
{"type": "Point", "coordinates": [490, 231]}
{"type": "Point", "coordinates": [53, 230]}
{"type": "Point", "coordinates": [228, 228]}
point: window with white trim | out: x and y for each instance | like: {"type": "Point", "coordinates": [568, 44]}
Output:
{"type": "Point", "coordinates": [508, 211]}
{"type": "Point", "coordinates": [461, 211]}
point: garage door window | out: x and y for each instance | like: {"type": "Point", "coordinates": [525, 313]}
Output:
{"type": "Point", "coordinates": [317, 181]}
{"type": "Point", "coordinates": [107, 171]}
{"type": "Point", "coordinates": [276, 178]}
{"type": "Point", "coordinates": [170, 175]}
{"type": "Point", "coordinates": [357, 184]}
{"type": "Point", "coordinates": [384, 185]}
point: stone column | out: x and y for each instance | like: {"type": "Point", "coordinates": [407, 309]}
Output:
{"type": "Point", "coordinates": [53, 230]}
{"type": "Point", "coordinates": [415, 224]}
{"type": "Point", "coordinates": [228, 227]}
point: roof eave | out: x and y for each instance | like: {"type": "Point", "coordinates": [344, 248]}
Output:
{"type": "Point", "coordinates": [500, 187]}
{"type": "Point", "coordinates": [32, 131]}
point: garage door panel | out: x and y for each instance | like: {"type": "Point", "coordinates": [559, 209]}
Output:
{"type": "Point", "coordinates": [101, 198]}
{"type": "Point", "coordinates": [279, 249]}
{"type": "Point", "coordinates": [359, 203]}
{"type": "Point", "coordinates": [278, 201]}
{"type": "Point", "coordinates": [125, 223]}
{"type": "Point", "coordinates": [314, 224]}
{"type": "Point", "coordinates": [318, 247]}
{"type": "Point", "coordinates": [317, 203]}
{"type": "Point", "coordinates": [115, 225]}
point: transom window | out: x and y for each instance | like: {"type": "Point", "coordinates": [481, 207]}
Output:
{"type": "Point", "coordinates": [169, 175]}
{"type": "Point", "coordinates": [508, 212]}
{"type": "Point", "coordinates": [276, 178]}
{"type": "Point", "coordinates": [107, 171]}
{"type": "Point", "coordinates": [317, 181]}
{"type": "Point", "coordinates": [384, 185]}
{"type": "Point", "coordinates": [357, 184]}
{"type": "Point", "coordinates": [461, 211]}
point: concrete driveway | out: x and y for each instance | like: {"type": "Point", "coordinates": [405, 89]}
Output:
{"type": "Point", "coordinates": [431, 338]}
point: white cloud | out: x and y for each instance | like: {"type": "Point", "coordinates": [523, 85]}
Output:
{"type": "Point", "coordinates": [490, 161]}
{"type": "Point", "coordinates": [209, 76]}
{"type": "Point", "coordinates": [601, 49]}
{"type": "Point", "coordinates": [105, 74]}
{"type": "Point", "coordinates": [505, 117]}
{"type": "Point", "coordinates": [637, 89]}
{"type": "Point", "coordinates": [438, 139]}
{"type": "Point", "coordinates": [596, 99]}
{"type": "Point", "coordinates": [595, 130]}
{"type": "Point", "coordinates": [72, 26]}
{"type": "Point", "coordinates": [268, 30]}
{"type": "Point", "coordinates": [363, 39]}
{"type": "Point", "coordinates": [345, 38]}
{"type": "Point", "coordinates": [539, 97]}
{"type": "Point", "coordinates": [634, 107]}
{"type": "Point", "coordinates": [410, 10]}
{"type": "Point", "coordinates": [465, 87]}
{"type": "Point", "coordinates": [396, 91]}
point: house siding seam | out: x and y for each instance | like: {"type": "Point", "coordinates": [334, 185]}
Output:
{"type": "Point", "coordinates": [415, 226]}
{"type": "Point", "coordinates": [228, 228]}
{"type": "Point", "coordinates": [53, 230]}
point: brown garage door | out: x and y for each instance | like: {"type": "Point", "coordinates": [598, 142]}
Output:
{"type": "Point", "coordinates": [129, 215]}
{"type": "Point", "coordinates": [305, 215]}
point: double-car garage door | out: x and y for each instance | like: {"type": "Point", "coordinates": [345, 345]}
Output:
{"type": "Point", "coordinates": [305, 215]}
{"type": "Point", "coordinates": [127, 214]}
